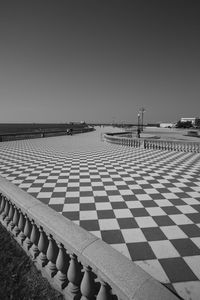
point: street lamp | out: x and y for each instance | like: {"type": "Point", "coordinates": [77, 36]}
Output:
{"type": "Point", "coordinates": [142, 110]}
{"type": "Point", "coordinates": [138, 126]}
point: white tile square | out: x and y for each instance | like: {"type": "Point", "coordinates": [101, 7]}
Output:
{"type": "Point", "coordinates": [145, 222]}
{"type": "Point", "coordinates": [99, 193]}
{"type": "Point", "coordinates": [103, 206]}
{"type": "Point", "coordinates": [86, 199]}
{"type": "Point", "coordinates": [123, 213]}
{"type": "Point", "coordinates": [72, 194]}
{"type": "Point", "coordinates": [60, 189]}
{"type": "Point", "coordinates": [71, 207]}
{"type": "Point", "coordinates": [187, 209]}
{"type": "Point", "coordinates": [155, 211]}
{"type": "Point", "coordinates": [60, 200]}
{"type": "Point", "coordinates": [116, 198]}
{"type": "Point", "coordinates": [88, 215]}
{"type": "Point", "coordinates": [44, 195]}
{"type": "Point", "coordinates": [151, 191]}
{"type": "Point", "coordinates": [163, 202]}
{"type": "Point", "coordinates": [143, 197]}
{"type": "Point", "coordinates": [126, 192]}
{"type": "Point", "coordinates": [173, 232]}
{"type": "Point", "coordinates": [169, 196]}
{"type": "Point", "coordinates": [163, 249]}
{"type": "Point", "coordinates": [133, 235]}
{"type": "Point", "coordinates": [180, 219]}
{"type": "Point", "coordinates": [108, 224]}
{"type": "Point", "coordinates": [134, 204]}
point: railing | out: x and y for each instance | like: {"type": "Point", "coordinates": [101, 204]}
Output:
{"type": "Point", "coordinates": [185, 146]}
{"type": "Point", "coordinates": [75, 262]}
{"type": "Point", "coordinates": [40, 134]}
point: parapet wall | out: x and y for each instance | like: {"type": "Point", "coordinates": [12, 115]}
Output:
{"type": "Point", "coordinates": [158, 144]}
{"type": "Point", "coordinates": [77, 263]}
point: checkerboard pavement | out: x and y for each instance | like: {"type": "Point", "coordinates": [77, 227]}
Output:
{"type": "Point", "coordinates": [144, 203]}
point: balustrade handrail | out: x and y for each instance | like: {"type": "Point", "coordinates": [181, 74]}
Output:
{"type": "Point", "coordinates": [161, 144]}
{"type": "Point", "coordinates": [72, 257]}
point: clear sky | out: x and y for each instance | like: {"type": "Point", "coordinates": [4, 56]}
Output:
{"type": "Point", "coordinates": [99, 60]}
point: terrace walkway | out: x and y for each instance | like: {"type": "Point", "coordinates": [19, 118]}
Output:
{"type": "Point", "coordinates": [144, 203]}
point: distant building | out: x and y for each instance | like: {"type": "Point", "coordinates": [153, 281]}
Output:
{"type": "Point", "coordinates": [167, 125]}
{"type": "Point", "coordinates": [193, 121]}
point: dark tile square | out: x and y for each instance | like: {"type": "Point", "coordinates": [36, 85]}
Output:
{"type": "Point", "coordinates": [101, 199]}
{"type": "Point", "coordinates": [105, 214]}
{"type": "Point", "coordinates": [71, 215]}
{"type": "Point", "coordinates": [194, 217]}
{"type": "Point", "coordinates": [139, 212]}
{"type": "Point", "coordinates": [72, 189]}
{"type": "Point", "coordinates": [153, 234]}
{"type": "Point", "coordinates": [58, 194]}
{"type": "Point", "coordinates": [149, 203]}
{"type": "Point", "coordinates": [163, 220]}
{"type": "Point", "coordinates": [126, 223]}
{"type": "Point", "coordinates": [140, 251]}
{"type": "Point", "coordinates": [185, 247]}
{"type": "Point", "coordinates": [112, 236]}
{"type": "Point", "coordinates": [171, 210]}
{"type": "Point", "coordinates": [191, 230]}
{"type": "Point", "coordinates": [157, 196]}
{"type": "Point", "coordinates": [90, 225]}
{"type": "Point", "coordinates": [118, 205]}
{"type": "Point", "coordinates": [72, 200]}
{"type": "Point", "coordinates": [57, 207]}
{"type": "Point", "coordinates": [130, 198]}
{"type": "Point", "coordinates": [98, 188]}
{"type": "Point", "coordinates": [87, 206]}
{"type": "Point", "coordinates": [177, 270]}
{"type": "Point", "coordinates": [122, 187]}
{"type": "Point", "coordinates": [138, 191]}
{"type": "Point", "coordinates": [86, 193]}
{"type": "Point", "coordinates": [113, 193]}
{"type": "Point", "coordinates": [177, 202]}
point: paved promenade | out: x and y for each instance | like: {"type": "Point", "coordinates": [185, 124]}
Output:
{"type": "Point", "coordinates": [145, 203]}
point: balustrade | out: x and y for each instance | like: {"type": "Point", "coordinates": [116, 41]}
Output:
{"type": "Point", "coordinates": [183, 146]}
{"type": "Point", "coordinates": [66, 255]}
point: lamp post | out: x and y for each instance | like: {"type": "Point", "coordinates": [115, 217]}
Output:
{"type": "Point", "coordinates": [142, 110]}
{"type": "Point", "coordinates": [138, 126]}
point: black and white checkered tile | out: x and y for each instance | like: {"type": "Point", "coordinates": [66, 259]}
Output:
{"type": "Point", "coordinates": [145, 203]}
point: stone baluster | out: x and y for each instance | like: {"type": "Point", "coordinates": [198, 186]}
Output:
{"type": "Point", "coordinates": [21, 237]}
{"type": "Point", "coordinates": [6, 209]}
{"type": "Point", "coordinates": [52, 252]}
{"type": "Point", "coordinates": [27, 232]}
{"type": "Point", "coordinates": [42, 246]}
{"type": "Point", "coordinates": [87, 284]}
{"type": "Point", "coordinates": [62, 264]}
{"type": "Point", "coordinates": [74, 276]}
{"type": "Point", "coordinates": [34, 238]}
{"type": "Point", "coordinates": [15, 228]}
{"type": "Point", "coordinates": [103, 293]}
{"type": "Point", "coordinates": [9, 219]}
{"type": "Point", "coordinates": [3, 203]}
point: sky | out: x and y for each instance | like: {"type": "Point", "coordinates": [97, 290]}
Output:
{"type": "Point", "coordinates": [99, 60]}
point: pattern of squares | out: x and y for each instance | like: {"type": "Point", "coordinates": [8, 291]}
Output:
{"type": "Point", "coordinates": [144, 203]}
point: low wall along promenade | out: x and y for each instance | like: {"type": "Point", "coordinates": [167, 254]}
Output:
{"type": "Point", "coordinates": [152, 143]}
{"type": "Point", "coordinates": [75, 262]}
